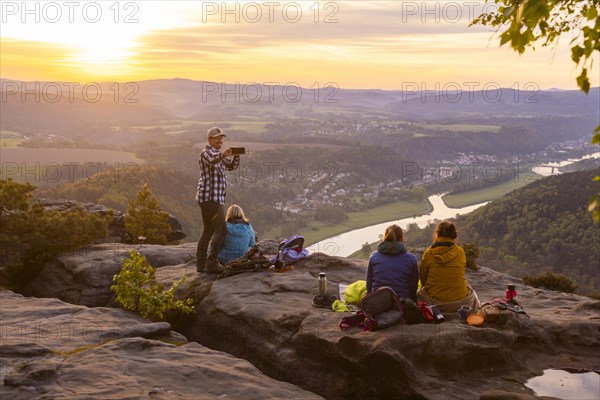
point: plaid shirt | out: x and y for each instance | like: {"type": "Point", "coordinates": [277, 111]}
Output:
{"type": "Point", "coordinates": [212, 183]}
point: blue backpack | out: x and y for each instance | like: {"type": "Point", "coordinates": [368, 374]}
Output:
{"type": "Point", "coordinates": [290, 250]}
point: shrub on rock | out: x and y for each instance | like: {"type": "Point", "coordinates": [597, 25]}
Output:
{"type": "Point", "coordinates": [138, 290]}
{"type": "Point", "coordinates": [30, 236]}
{"type": "Point", "coordinates": [145, 219]}
{"type": "Point", "coordinates": [551, 281]}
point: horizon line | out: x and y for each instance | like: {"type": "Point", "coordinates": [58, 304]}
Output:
{"type": "Point", "coordinates": [288, 83]}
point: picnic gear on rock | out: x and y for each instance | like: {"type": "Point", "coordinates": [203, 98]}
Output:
{"type": "Point", "coordinates": [475, 320]}
{"type": "Point", "coordinates": [411, 312]}
{"type": "Point", "coordinates": [290, 251]}
{"type": "Point", "coordinates": [489, 312]}
{"type": "Point", "coordinates": [355, 291]}
{"type": "Point", "coordinates": [253, 260]}
{"type": "Point", "coordinates": [511, 293]}
{"type": "Point", "coordinates": [427, 315]}
{"type": "Point", "coordinates": [349, 291]}
{"type": "Point", "coordinates": [340, 306]}
{"type": "Point", "coordinates": [437, 314]}
{"type": "Point", "coordinates": [464, 312]}
{"type": "Point", "coordinates": [357, 319]}
{"type": "Point", "coordinates": [325, 301]}
{"type": "Point", "coordinates": [342, 286]}
{"type": "Point", "coordinates": [511, 305]}
{"type": "Point", "coordinates": [322, 283]}
{"type": "Point", "coordinates": [381, 309]}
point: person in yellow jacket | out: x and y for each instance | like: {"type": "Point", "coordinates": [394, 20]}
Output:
{"type": "Point", "coordinates": [443, 266]}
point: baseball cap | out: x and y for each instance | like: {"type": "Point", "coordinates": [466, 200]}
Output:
{"type": "Point", "coordinates": [215, 132]}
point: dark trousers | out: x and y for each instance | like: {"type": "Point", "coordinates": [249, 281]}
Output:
{"type": "Point", "coordinates": [213, 235]}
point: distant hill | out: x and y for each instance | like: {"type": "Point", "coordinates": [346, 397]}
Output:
{"type": "Point", "coordinates": [422, 125]}
{"type": "Point", "coordinates": [542, 226]}
{"type": "Point", "coordinates": [57, 107]}
{"type": "Point", "coordinates": [185, 98]}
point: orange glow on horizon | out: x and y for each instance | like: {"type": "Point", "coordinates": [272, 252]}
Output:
{"type": "Point", "coordinates": [188, 40]}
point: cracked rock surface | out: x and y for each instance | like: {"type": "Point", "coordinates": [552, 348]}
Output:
{"type": "Point", "coordinates": [53, 350]}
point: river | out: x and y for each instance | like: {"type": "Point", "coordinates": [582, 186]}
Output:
{"type": "Point", "coordinates": [551, 168]}
{"type": "Point", "coordinates": [347, 243]}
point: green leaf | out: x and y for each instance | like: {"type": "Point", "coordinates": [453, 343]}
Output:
{"type": "Point", "coordinates": [592, 13]}
{"type": "Point", "coordinates": [506, 11]}
{"type": "Point", "coordinates": [576, 53]}
{"type": "Point", "coordinates": [583, 81]}
{"type": "Point", "coordinates": [504, 38]}
{"type": "Point", "coordinates": [543, 26]}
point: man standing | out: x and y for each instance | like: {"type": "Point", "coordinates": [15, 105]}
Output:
{"type": "Point", "coordinates": [211, 198]}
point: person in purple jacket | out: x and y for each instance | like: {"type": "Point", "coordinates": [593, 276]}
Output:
{"type": "Point", "coordinates": [391, 265]}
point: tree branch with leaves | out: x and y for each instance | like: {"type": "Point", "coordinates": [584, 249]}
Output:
{"type": "Point", "coordinates": [525, 23]}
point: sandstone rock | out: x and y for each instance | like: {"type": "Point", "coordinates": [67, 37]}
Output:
{"type": "Point", "coordinates": [53, 350]}
{"type": "Point", "coordinates": [85, 276]}
{"type": "Point", "coordinates": [268, 319]}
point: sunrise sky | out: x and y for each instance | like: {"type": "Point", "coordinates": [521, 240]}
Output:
{"type": "Point", "coordinates": [356, 44]}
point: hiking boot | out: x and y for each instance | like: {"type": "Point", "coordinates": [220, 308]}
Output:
{"type": "Point", "coordinates": [213, 267]}
{"type": "Point", "coordinates": [200, 266]}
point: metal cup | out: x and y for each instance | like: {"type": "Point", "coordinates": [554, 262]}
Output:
{"type": "Point", "coordinates": [464, 312]}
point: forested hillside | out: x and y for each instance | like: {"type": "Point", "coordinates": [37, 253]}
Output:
{"type": "Point", "coordinates": [112, 188]}
{"type": "Point", "coordinates": [299, 177]}
{"type": "Point", "coordinates": [542, 226]}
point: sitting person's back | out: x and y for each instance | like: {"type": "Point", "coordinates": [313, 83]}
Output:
{"type": "Point", "coordinates": [443, 266]}
{"type": "Point", "coordinates": [391, 265]}
{"type": "Point", "coordinates": [240, 235]}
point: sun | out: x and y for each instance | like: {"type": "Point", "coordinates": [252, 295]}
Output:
{"type": "Point", "coordinates": [106, 47]}
{"type": "Point", "coordinates": [107, 55]}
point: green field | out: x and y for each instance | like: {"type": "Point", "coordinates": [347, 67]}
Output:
{"type": "Point", "coordinates": [179, 126]}
{"type": "Point", "coordinates": [465, 127]}
{"type": "Point", "coordinates": [34, 155]}
{"type": "Point", "coordinates": [10, 142]}
{"type": "Point", "coordinates": [10, 139]}
{"type": "Point", "coordinates": [261, 146]}
{"type": "Point", "coordinates": [489, 193]}
{"type": "Point", "coordinates": [389, 212]}
{"type": "Point", "coordinates": [248, 126]}
{"type": "Point", "coordinates": [49, 166]}
{"type": "Point", "coordinates": [361, 255]}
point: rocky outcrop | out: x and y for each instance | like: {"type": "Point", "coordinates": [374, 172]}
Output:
{"type": "Point", "coordinates": [54, 350]}
{"type": "Point", "coordinates": [116, 227]}
{"type": "Point", "coordinates": [268, 319]}
{"type": "Point", "coordinates": [85, 276]}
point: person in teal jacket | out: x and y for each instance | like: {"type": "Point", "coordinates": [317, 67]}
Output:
{"type": "Point", "coordinates": [240, 235]}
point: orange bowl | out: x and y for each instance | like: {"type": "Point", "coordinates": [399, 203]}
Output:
{"type": "Point", "coordinates": [475, 320]}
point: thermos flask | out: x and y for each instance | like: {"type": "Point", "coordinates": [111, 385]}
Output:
{"type": "Point", "coordinates": [511, 293]}
{"type": "Point", "coordinates": [322, 284]}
